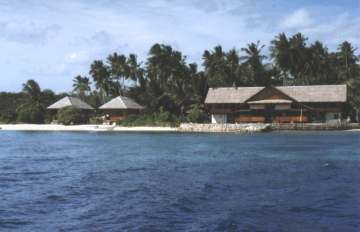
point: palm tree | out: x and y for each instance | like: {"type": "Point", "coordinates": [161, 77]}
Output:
{"type": "Point", "coordinates": [280, 53]}
{"type": "Point", "coordinates": [233, 68]}
{"type": "Point", "coordinates": [32, 110]}
{"type": "Point", "coordinates": [101, 76]}
{"type": "Point", "coordinates": [32, 89]}
{"type": "Point", "coordinates": [321, 72]}
{"type": "Point", "coordinates": [349, 73]}
{"type": "Point", "coordinates": [216, 67]}
{"type": "Point", "coordinates": [254, 60]}
{"type": "Point", "coordinates": [347, 61]}
{"type": "Point", "coordinates": [81, 85]}
{"type": "Point", "coordinates": [119, 72]}
{"type": "Point", "coordinates": [134, 69]}
{"type": "Point", "coordinates": [299, 58]}
{"type": "Point", "coordinates": [292, 56]}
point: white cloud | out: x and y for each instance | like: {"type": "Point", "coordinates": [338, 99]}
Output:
{"type": "Point", "coordinates": [77, 57]}
{"type": "Point", "coordinates": [340, 28]}
{"type": "Point", "coordinates": [72, 33]}
{"type": "Point", "coordinates": [297, 20]}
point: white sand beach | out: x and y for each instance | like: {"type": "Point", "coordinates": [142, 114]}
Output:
{"type": "Point", "coordinates": [53, 127]}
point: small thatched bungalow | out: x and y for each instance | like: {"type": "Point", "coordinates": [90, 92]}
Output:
{"type": "Point", "coordinates": [120, 107]}
{"type": "Point", "coordinates": [285, 104]}
{"type": "Point", "coordinates": [70, 101]}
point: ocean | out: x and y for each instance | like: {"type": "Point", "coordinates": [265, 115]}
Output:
{"type": "Point", "coordinates": [83, 181]}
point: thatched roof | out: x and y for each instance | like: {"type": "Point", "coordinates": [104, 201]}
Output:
{"type": "Point", "coordinates": [316, 93]}
{"type": "Point", "coordinates": [121, 102]}
{"type": "Point", "coordinates": [311, 93]}
{"type": "Point", "coordinates": [231, 94]}
{"type": "Point", "coordinates": [70, 101]}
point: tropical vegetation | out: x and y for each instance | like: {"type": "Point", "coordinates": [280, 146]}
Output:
{"type": "Point", "coordinates": [71, 116]}
{"type": "Point", "coordinates": [168, 85]}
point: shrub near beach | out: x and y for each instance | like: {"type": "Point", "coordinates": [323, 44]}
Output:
{"type": "Point", "coordinates": [71, 116]}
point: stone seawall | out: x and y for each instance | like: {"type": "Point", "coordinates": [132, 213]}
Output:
{"type": "Point", "coordinates": [260, 127]}
{"type": "Point", "coordinates": [315, 126]}
{"type": "Point", "coordinates": [235, 128]}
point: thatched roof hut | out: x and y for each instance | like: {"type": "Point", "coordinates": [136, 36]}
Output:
{"type": "Point", "coordinates": [70, 101]}
{"type": "Point", "coordinates": [121, 103]}
{"type": "Point", "coordinates": [272, 104]}
{"type": "Point", "coordinates": [305, 94]}
{"type": "Point", "coordinates": [120, 107]}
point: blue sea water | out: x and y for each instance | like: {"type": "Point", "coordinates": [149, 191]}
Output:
{"type": "Point", "coordinates": [277, 181]}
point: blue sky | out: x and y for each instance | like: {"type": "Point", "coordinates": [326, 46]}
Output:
{"type": "Point", "coordinates": [53, 41]}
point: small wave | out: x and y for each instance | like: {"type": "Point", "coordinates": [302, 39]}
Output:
{"type": "Point", "coordinates": [8, 179]}
{"type": "Point", "coordinates": [7, 168]}
{"type": "Point", "coordinates": [296, 209]}
{"type": "Point", "coordinates": [227, 225]}
{"type": "Point", "coordinates": [55, 198]}
{"type": "Point", "coordinates": [13, 223]}
{"type": "Point", "coordinates": [34, 173]}
{"type": "Point", "coordinates": [27, 173]}
{"type": "Point", "coordinates": [184, 204]}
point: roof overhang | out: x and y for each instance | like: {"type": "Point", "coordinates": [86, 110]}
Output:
{"type": "Point", "coordinates": [271, 101]}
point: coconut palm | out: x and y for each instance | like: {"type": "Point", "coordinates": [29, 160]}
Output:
{"type": "Point", "coordinates": [254, 60]}
{"type": "Point", "coordinates": [81, 85]}
{"type": "Point", "coordinates": [347, 60]}
{"type": "Point", "coordinates": [119, 72]}
{"type": "Point", "coordinates": [280, 51]}
{"type": "Point", "coordinates": [101, 76]}
{"type": "Point", "coordinates": [216, 66]}
{"type": "Point", "coordinates": [32, 89]}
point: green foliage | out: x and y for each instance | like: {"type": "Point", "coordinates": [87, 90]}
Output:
{"type": "Point", "coordinates": [8, 104]}
{"type": "Point", "coordinates": [196, 114]}
{"type": "Point", "coordinates": [172, 89]}
{"type": "Point", "coordinates": [72, 116]}
{"type": "Point", "coordinates": [29, 106]}
{"type": "Point", "coordinates": [30, 113]}
{"type": "Point", "coordinates": [81, 85]}
{"type": "Point", "coordinates": [7, 117]}
{"type": "Point", "coordinates": [156, 119]}
{"type": "Point", "coordinates": [163, 116]}
{"type": "Point", "coordinates": [95, 120]}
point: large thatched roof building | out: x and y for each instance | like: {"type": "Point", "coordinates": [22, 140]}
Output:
{"type": "Point", "coordinates": [70, 101]}
{"type": "Point", "coordinates": [276, 104]}
{"type": "Point", "coordinates": [120, 107]}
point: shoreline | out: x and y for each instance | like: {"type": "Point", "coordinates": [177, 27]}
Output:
{"type": "Point", "coordinates": [184, 127]}
{"type": "Point", "coordinates": [99, 128]}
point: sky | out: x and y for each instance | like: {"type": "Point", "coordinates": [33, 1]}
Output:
{"type": "Point", "coordinates": [52, 41]}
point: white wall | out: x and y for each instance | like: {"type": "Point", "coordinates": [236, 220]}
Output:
{"type": "Point", "coordinates": [218, 118]}
{"type": "Point", "coordinates": [330, 117]}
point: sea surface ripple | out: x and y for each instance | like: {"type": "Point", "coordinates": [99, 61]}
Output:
{"type": "Point", "coordinates": [55, 181]}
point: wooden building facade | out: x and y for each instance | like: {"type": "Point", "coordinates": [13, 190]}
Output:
{"type": "Point", "coordinates": [285, 104]}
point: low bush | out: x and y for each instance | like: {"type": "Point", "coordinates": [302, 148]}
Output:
{"type": "Point", "coordinates": [96, 120]}
{"type": "Point", "coordinates": [7, 117]}
{"type": "Point", "coordinates": [157, 119]}
{"type": "Point", "coordinates": [72, 116]}
{"type": "Point", "coordinates": [30, 113]}
{"type": "Point", "coordinates": [196, 114]}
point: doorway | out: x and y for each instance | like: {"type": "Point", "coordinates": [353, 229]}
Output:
{"type": "Point", "coordinates": [269, 111]}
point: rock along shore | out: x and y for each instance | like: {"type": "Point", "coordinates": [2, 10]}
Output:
{"type": "Point", "coordinates": [235, 128]}
{"type": "Point", "coordinates": [261, 127]}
